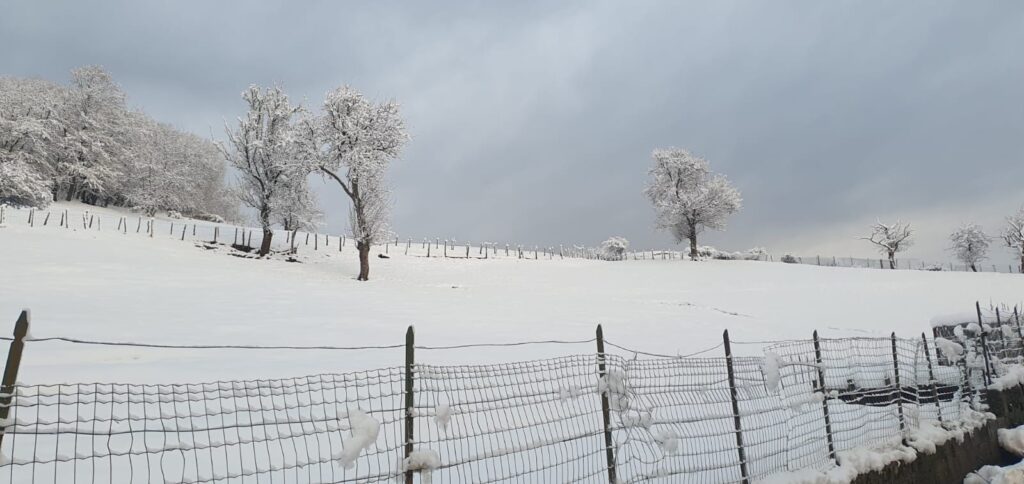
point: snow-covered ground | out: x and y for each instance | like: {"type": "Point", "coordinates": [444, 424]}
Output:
{"type": "Point", "coordinates": [106, 285]}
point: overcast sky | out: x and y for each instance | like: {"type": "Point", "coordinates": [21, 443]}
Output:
{"type": "Point", "coordinates": [533, 122]}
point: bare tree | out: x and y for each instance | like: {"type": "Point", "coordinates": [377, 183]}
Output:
{"type": "Point", "coordinates": [891, 239]}
{"type": "Point", "coordinates": [353, 142]}
{"type": "Point", "coordinates": [688, 197]}
{"type": "Point", "coordinates": [1013, 235]}
{"type": "Point", "coordinates": [970, 245]}
{"type": "Point", "coordinates": [262, 153]}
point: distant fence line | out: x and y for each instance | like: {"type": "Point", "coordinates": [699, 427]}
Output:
{"type": "Point", "coordinates": [240, 238]}
{"type": "Point", "coordinates": [584, 417]}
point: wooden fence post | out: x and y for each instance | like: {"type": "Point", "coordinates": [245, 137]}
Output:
{"type": "Point", "coordinates": [899, 389]}
{"type": "Point", "coordinates": [602, 371]}
{"type": "Point", "coordinates": [735, 408]}
{"type": "Point", "coordinates": [410, 407]}
{"type": "Point", "coordinates": [11, 370]}
{"type": "Point", "coordinates": [1016, 317]}
{"type": "Point", "coordinates": [984, 344]}
{"type": "Point", "coordinates": [824, 394]}
{"type": "Point", "coordinates": [931, 377]}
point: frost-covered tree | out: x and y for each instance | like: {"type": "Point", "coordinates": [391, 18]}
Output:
{"type": "Point", "coordinates": [28, 127]}
{"type": "Point", "coordinates": [261, 150]}
{"type": "Point", "coordinates": [352, 143]}
{"type": "Point", "coordinates": [891, 239]}
{"type": "Point", "coordinates": [1013, 235]}
{"type": "Point", "coordinates": [81, 141]}
{"type": "Point", "coordinates": [688, 197]}
{"type": "Point", "coordinates": [299, 210]}
{"type": "Point", "coordinates": [614, 248]}
{"type": "Point", "coordinates": [92, 142]}
{"type": "Point", "coordinates": [970, 245]}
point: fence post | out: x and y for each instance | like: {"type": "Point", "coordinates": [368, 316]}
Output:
{"type": "Point", "coordinates": [735, 408]}
{"type": "Point", "coordinates": [899, 389]}
{"type": "Point", "coordinates": [1016, 317]}
{"type": "Point", "coordinates": [931, 377]}
{"type": "Point", "coordinates": [410, 341]}
{"type": "Point", "coordinates": [824, 400]}
{"type": "Point", "coordinates": [11, 370]}
{"type": "Point", "coordinates": [602, 371]}
{"type": "Point", "coordinates": [984, 344]}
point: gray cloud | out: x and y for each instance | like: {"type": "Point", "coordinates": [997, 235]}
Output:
{"type": "Point", "coordinates": [534, 123]}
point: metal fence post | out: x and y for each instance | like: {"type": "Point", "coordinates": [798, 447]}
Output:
{"type": "Point", "coordinates": [11, 370]}
{"type": "Point", "coordinates": [602, 371]}
{"type": "Point", "coordinates": [410, 362]}
{"type": "Point", "coordinates": [984, 345]}
{"type": "Point", "coordinates": [824, 400]}
{"type": "Point", "coordinates": [735, 408]}
{"type": "Point", "coordinates": [931, 377]}
{"type": "Point", "coordinates": [899, 388]}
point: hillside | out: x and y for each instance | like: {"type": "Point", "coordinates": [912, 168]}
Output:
{"type": "Point", "coordinates": [105, 285]}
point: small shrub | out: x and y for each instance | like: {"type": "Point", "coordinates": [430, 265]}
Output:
{"type": "Point", "coordinates": [788, 259]}
{"type": "Point", "coordinates": [173, 214]}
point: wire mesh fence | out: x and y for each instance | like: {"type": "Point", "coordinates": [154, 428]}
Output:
{"type": "Point", "coordinates": [598, 417]}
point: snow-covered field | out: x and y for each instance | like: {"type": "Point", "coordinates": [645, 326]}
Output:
{"type": "Point", "coordinates": [105, 285]}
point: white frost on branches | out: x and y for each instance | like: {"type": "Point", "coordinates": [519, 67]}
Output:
{"type": "Point", "coordinates": [263, 151]}
{"type": "Point", "coordinates": [614, 248]}
{"type": "Point", "coordinates": [891, 239]}
{"type": "Point", "coordinates": [353, 142]}
{"type": "Point", "coordinates": [688, 197]}
{"type": "Point", "coordinates": [1013, 235]}
{"type": "Point", "coordinates": [82, 141]}
{"type": "Point", "coordinates": [970, 244]}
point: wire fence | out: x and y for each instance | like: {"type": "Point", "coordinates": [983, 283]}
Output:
{"type": "Point", "coordinates": [605, 416]}
{"type": "Point", "coordinates": [214, 235]}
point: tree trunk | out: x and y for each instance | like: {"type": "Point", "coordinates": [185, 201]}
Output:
{"type": "Point", "coordinates": [693, 246]}
{"type": "Point", "coordinates": [974, 268]}
{"type": "Point", "coordinates": [892, 260]}
{"type": "Point", "coordinates": [71, 192]}
{"type": "Point", "coordinates": [364, 261]}
{"type": "Point", "coordinates": [1022, 263]}
{"type": "Point", "coordinates": [265, 245]}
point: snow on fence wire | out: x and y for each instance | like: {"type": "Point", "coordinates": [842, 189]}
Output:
{"type": "Point", "coordinates": [597, 417]}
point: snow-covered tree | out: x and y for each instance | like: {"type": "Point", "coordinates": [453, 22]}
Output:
{"type": "Point", "coordinates": [299, 210]}
{"type": "Point", "coordinates": [970, 245]}
{"type": "Point", "coordinates": [262, 151]}
{"type": "Point", "coordinates": [1013, 235]}
{"type": "Point", "coordinates": [891, 239]}
{"type": "Point", "coordinates": [352, 143]}
{"type": "Point", "coordinates": [688, 197]}
{"type": "Point", "coordinates": [93, 118]}
{"type": "Point", "coordinates": [614, 248]}
{"type": "Point", "coordinates": [28, 128]}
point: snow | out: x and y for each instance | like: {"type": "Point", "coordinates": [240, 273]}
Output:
{"type": "Point", "coordinates": [997, 475]}
{"type": "Point", "coordinates": [1012, 440]}
{"type": "Point", "coordinates": [1013, 376]}
{"type": "Point", "coordinates": [102, 285]}
{"type": "Point", "coordinates": [443, 415]}
{"type": "Point", "coordinates": [423, 461]}
{"type": "Point", "coordinates": [770, 369]}
{"type": "Point", "coordinates": [364, 435]}
{"type": "Point", "coordinates": [852, 463]}
{"type": "Point", "coordinates": [952, 351]}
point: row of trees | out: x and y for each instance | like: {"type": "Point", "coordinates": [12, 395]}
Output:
{"type": "Point", "coordinates": [82, 141]}
{"type": "Point", "coordinates": [350, 142]}
{"type": "Point", "coordinates": [689, 198]}
{"type": "Point", "coordinates": [969, 242]}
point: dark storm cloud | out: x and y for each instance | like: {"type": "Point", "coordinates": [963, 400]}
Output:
{"type": "Point", "coordinates": [533, 122]}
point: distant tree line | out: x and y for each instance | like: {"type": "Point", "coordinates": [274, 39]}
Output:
{"type": "Point", "coordinates": [81, 141]}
